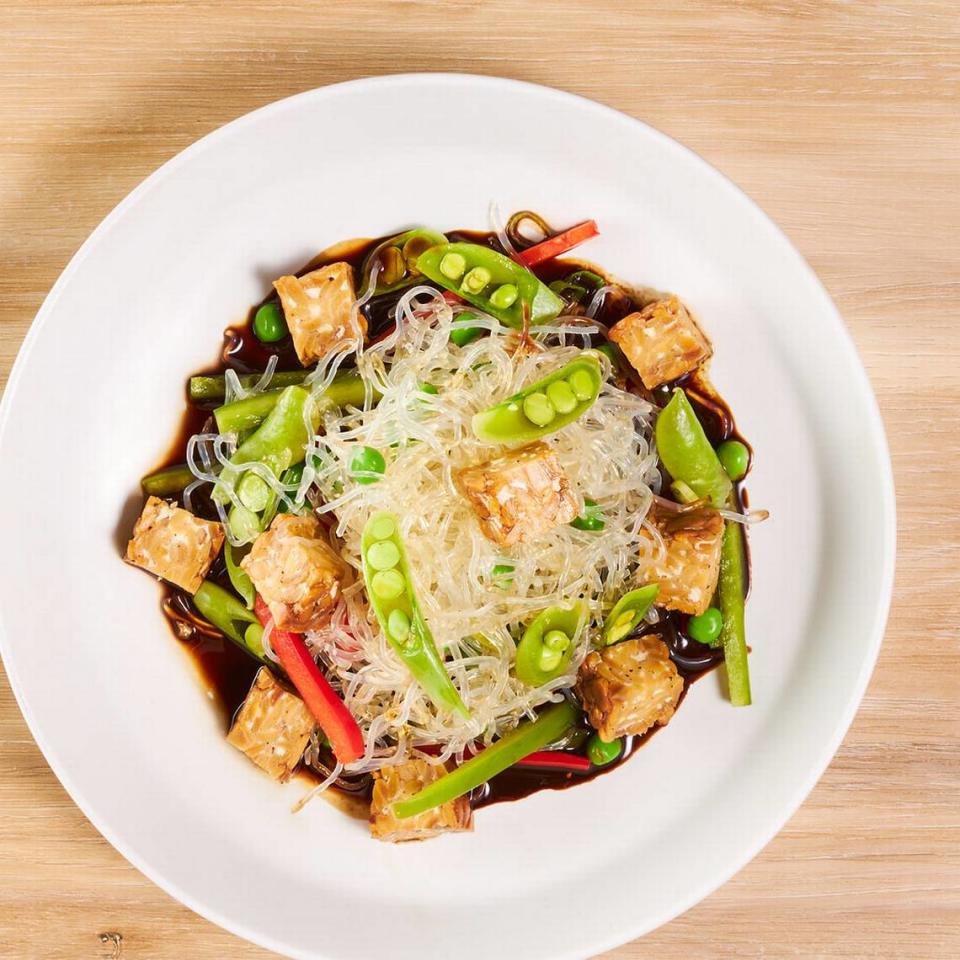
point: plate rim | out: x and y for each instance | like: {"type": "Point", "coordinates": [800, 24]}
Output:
{"type": "Point", "coordinates": [885, 488]}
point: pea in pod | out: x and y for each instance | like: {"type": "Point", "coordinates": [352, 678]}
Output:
{"type": "Point", "coordinates": [627, 613]}
{"type": "Point", "coordinates": [548, 642]}
{"type": "Point", "coordinates": [391, 594]}
{"type": "Point", "coordinates": [489, 280]}
{"type": "Point", "coordinates": [398, 258]}
{"type": "Point", "coordinates": [545, 406]}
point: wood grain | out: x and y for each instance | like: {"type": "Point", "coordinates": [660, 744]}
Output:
{"type": "Point", "coordinates": [841, 117]}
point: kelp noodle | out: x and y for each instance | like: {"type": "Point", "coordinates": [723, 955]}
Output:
{"type": "Point", "coordinates": [426, 438]}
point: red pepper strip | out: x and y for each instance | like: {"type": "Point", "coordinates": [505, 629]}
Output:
{"type": "Point", "coordinates": [552, 759]}
{"type": "Point", "coordinates": [452, 297]}
{"type": "Point", "coordinates": [558, 244]}
{"type": "Point", "coordinates": [558, 760]}
{"type": "Point", "coordinates": [321, 699]}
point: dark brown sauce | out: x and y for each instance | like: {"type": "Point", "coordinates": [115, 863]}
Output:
{"type": "Point", "coordinates": [227, 672]}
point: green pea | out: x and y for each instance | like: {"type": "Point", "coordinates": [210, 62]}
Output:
{"type": "Point", "coordinates": [735, 458]}
{"type": "Point", "coordinates": [253, 491]}
{"type": "Point", "coordinates": [561, 396]}
{"type": "Point", "coordinates": [538, 409]}
{"type": "Point", "coordinates": [398, 624]}
{"type": "Point", "coordinates": [387, 584]}
{"type": "Point", "coordinates": [367, 460]}
{"type": "Point", "coordinates": [476, 279]}
{"type": "Point", "coordinates": [429, 388]}
{"type": "Point", "coordinates": [452, 266]}
{"type": "Point", "coordinates": [269, 324]}
{"type": "Point", "coordinates": [502, 575]}
{"type": "Point", "coordinates": [556, 640]}
{"type": "Point", "coordinates": [504, 296]}
{"type": "Point", "coordinates": [581, 384]}
{"type": "Point", "coordinates": [382, 527]}
{"type": "Point", "coordinates": [464, 335]}
{"type": "Point", "coordinates": [591, 518]}
{"type": "Point", "coordinates": [600, 752]}
{"type": "Point", "coordinates": [550, 659]}
{"type": "Point", "coordinates": [706, 627]}
{"type": "Point", "coordinates": [383, 555]}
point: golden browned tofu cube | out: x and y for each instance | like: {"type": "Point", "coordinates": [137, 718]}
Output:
{"type": "Point", "coordinates": [173, 544]}
{"type": "Point", "coordinates": [404, 780]}
{"type": "Point", "coordinates": [272, 726]}
{"type": "Point", "coordinates": [688, 570]}
{"type": "Point", "coordinates": [519, 495]}
{"type": "Point", "coordinates": [319, 310]}
{"type": "Point", "coordinates": [296, 571]}
{"type": "Point", "coordinates": [629, 687]}
{"type": "Point", "coordinates": [662, 341]}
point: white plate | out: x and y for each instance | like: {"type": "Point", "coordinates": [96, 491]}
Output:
{"type": "Point", "coordinates": [97, 392]}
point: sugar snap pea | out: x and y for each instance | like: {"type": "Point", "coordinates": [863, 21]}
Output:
{"type": "Point", "coordinates": [548, 643]}
{"type": "Point", "coordinates": [545, 406]}
{"type": "Point", "coordinates": [391, 594]}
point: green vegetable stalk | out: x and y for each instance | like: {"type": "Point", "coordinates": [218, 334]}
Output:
{"type": "Point", "coordinates": [508, 750]}
{"type": "Point", "coordinates": [211, 388]}
{"type": "Point", "coordinates": [688, 456]}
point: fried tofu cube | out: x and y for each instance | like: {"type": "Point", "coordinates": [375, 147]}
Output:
{"type": "Point", "coordinates": [403, 780]}
{"type": "Point", "coordinates": [173, 544]}
{"type": "Point", "coordinates": [272, 726]}
{"type": "Point", "coordinates": [319, 310]}
{"type": "Point", "coordinates": [629, 687]}
{"type": "Point", "coordinates": [688, 570]}
{"type": "Point", "coordinates": [519, 495]}
{"type": "Point", "coordinates": [661, 341]}
{"type": "Point", "coordinates": [296, 571]}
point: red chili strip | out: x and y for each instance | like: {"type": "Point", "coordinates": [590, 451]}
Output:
{"type": "Point", "coordinates": [558, 244]}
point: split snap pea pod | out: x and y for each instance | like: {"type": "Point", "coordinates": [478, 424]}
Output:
{"type": "Point", "coordinates": [239, 579]}
{"type": "Point", "coordinates": [345, 390]}
{"type": "Point", "coordinates": [168, 481]}
{"type": "Point", "coordinates": [690, 459]}
{"type": "Point", "coordinates": [545, 406]}
{"type": "Point", "coordinates": [209, 388]}
{"type": "Point", "coordinates": [627, 613]}
{"type": "Point", "coordinates": [490, 281]}
{"type": "Point", "coordinates": [512, 747]}
{"type": "Point", "coordinates": [391, 594]}
{"type": "Point", "coordinates": [229, 615]}
{"type": "Point", "coordinates": [548, 642]}
{"type": "Point", "coordinates": [687, 454]}
{"type": "Point", "coordinates": [398, 258]}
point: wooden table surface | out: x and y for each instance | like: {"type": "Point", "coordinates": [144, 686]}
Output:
{"type": "Point", "coordinates": [841, 117]}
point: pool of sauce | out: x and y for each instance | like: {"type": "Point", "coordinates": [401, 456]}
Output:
{"type": "Point", "coordinates": [227, 672]}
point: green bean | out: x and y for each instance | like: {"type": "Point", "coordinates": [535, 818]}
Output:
{"type": "Point", "coordinates": [531, 413]}
{"type": "Point", "coordinates": [168, 481]}
{"type": "Point", "coordinates": [205, 388]}
{"type": "Point", "coordinates": [345, 390]}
